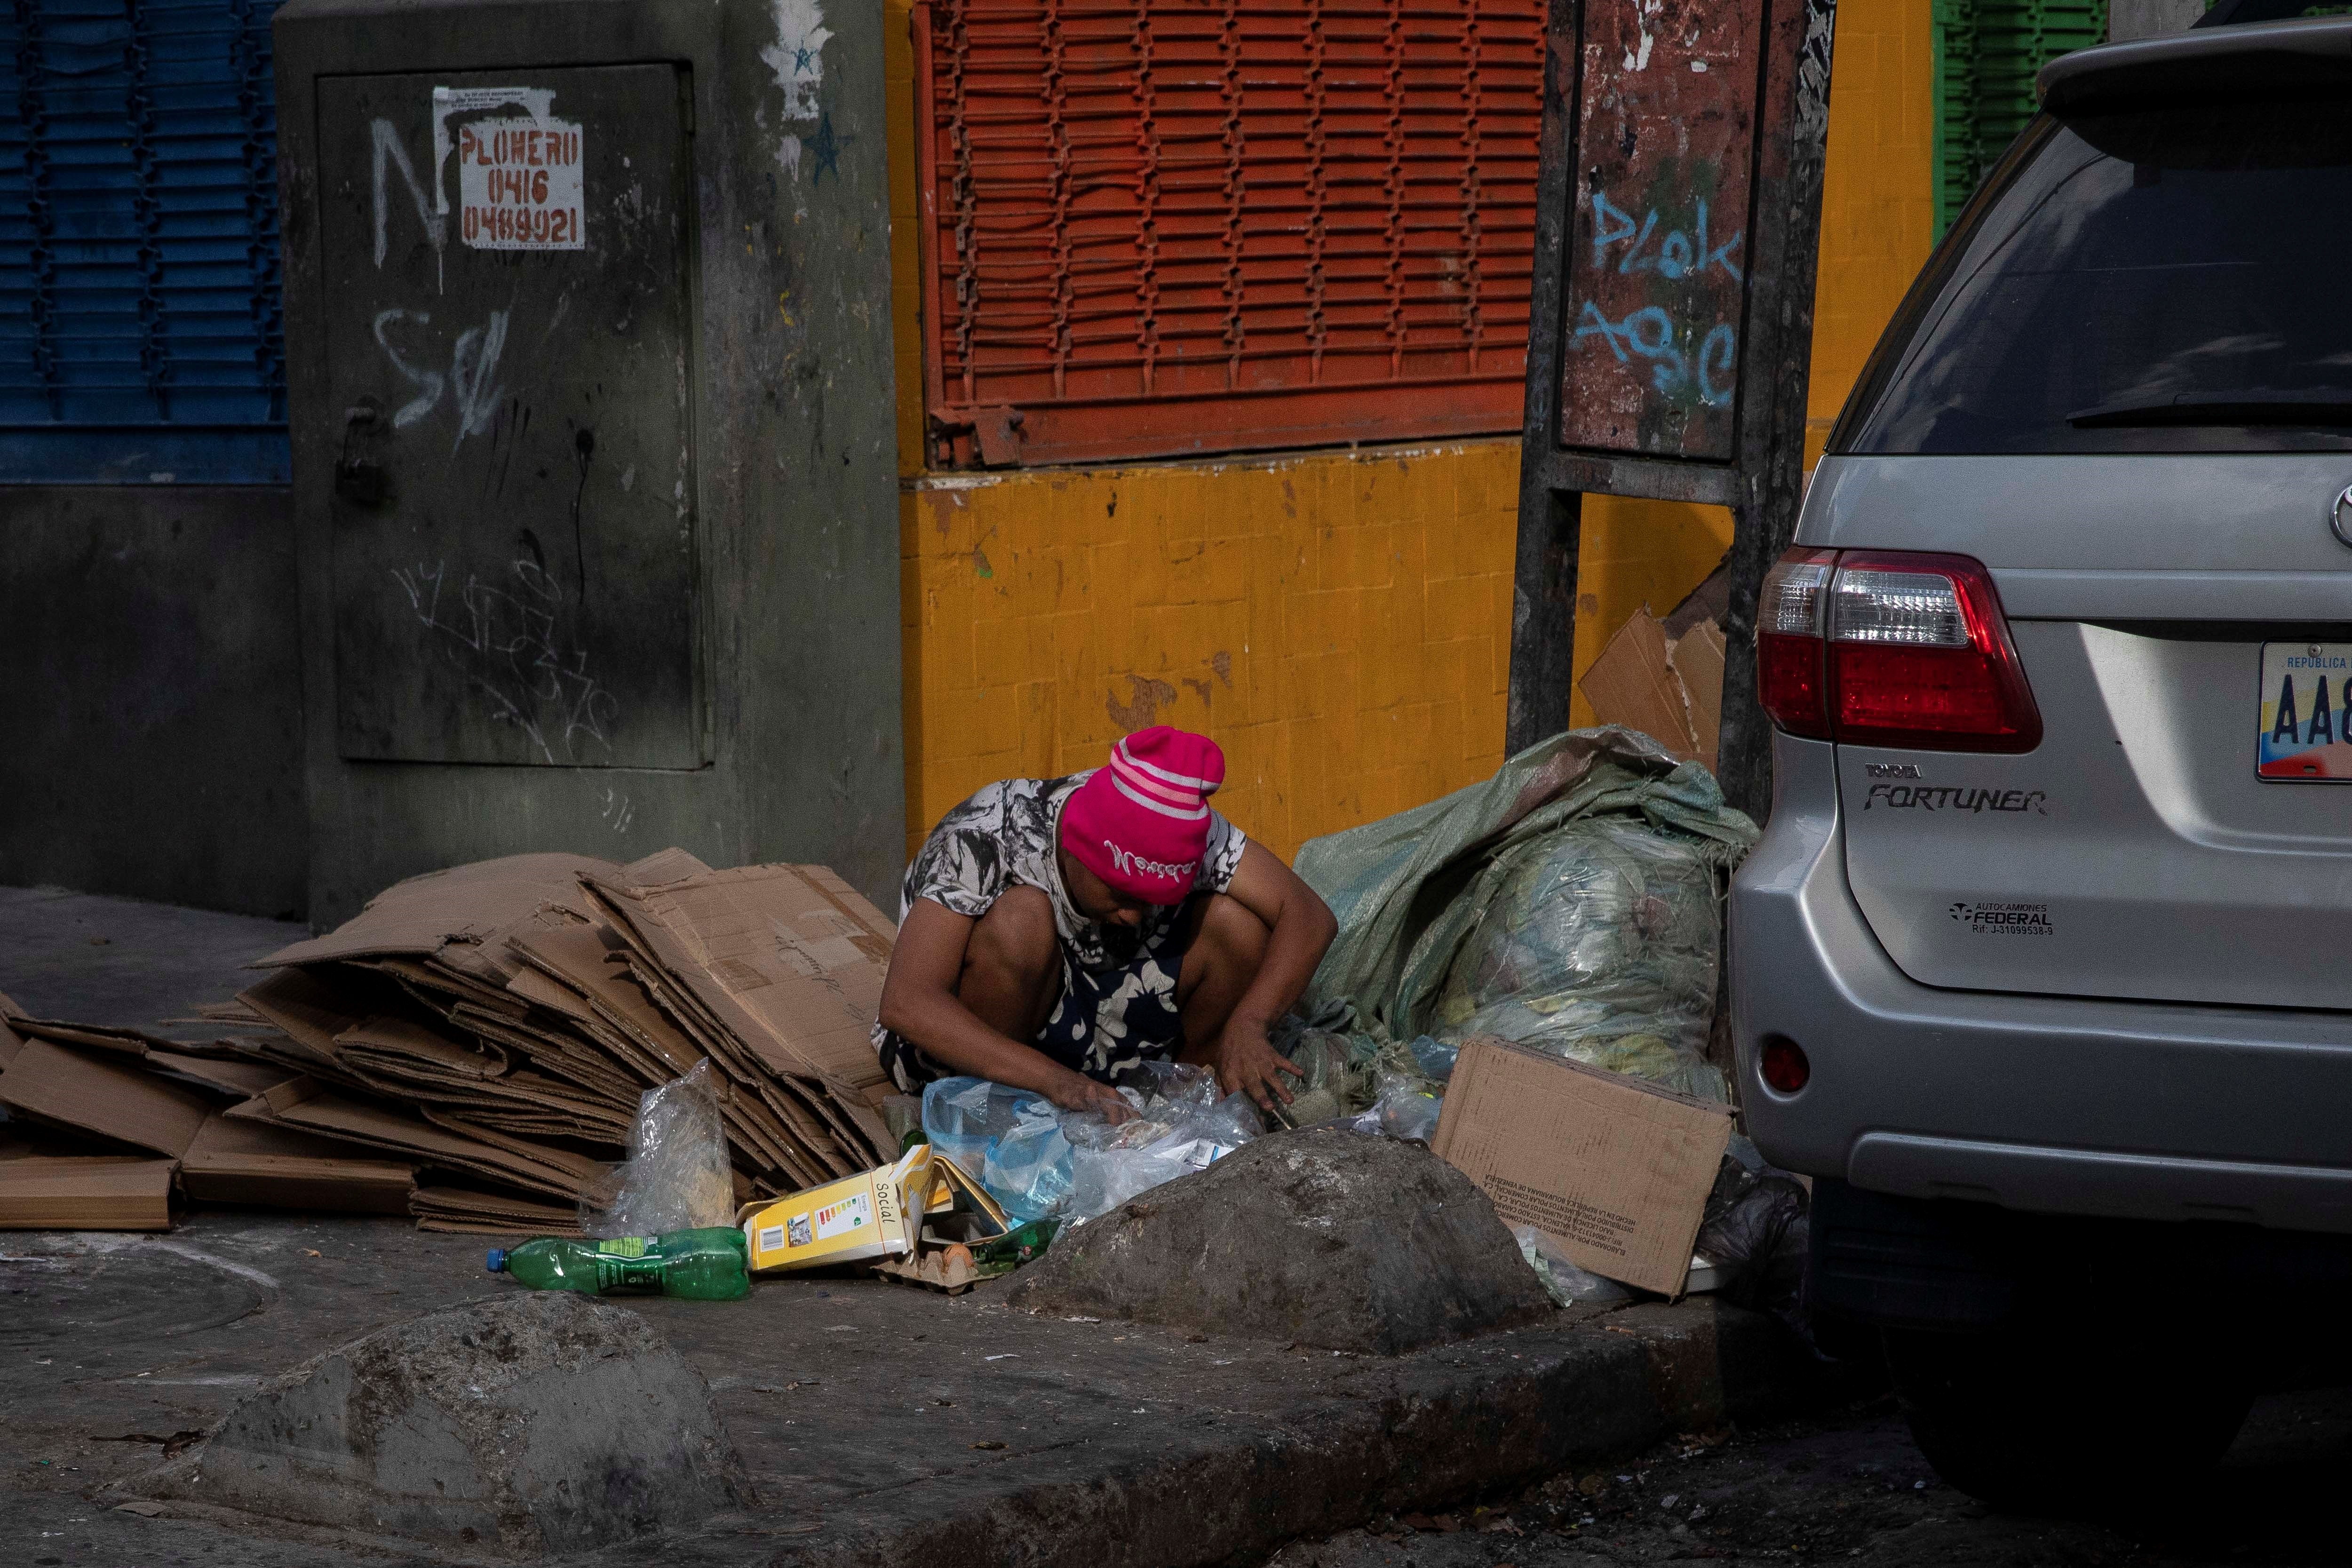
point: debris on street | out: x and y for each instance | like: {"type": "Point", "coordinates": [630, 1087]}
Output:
{"type": "Point", "coordinates": [701, 1264]}
{"type": "Point", "coordinates": [472, 1048]}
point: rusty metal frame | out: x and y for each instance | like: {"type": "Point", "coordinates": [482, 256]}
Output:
{"type": "Point", "coordinates": [1762, 480]}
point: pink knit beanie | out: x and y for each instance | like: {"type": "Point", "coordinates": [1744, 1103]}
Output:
{"type": "Point", "coordinates": [1141, 823]}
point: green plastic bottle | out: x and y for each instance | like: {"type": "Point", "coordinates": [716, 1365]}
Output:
{"type": "Point", "coordinates": [710, 1265]}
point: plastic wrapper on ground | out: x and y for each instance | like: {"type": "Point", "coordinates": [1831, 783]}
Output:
{"type": "Point", "coordinates": [677, 1176]}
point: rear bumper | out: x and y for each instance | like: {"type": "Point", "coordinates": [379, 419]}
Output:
{"type": "Point", "coordinates": [2051, 1104]}
{"type": "Point", "coordinates": [1901, 1263]}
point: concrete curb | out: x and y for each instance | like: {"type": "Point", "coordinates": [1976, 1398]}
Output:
{"type": "Point", "coordinates": [1423, 1433]}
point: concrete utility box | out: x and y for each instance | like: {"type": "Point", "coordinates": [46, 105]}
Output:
{"type": "Point", "coordinates": [595, 475]}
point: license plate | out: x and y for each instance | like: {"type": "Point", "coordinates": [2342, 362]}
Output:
{"type": "Point", "coordinates": [2306, 699]}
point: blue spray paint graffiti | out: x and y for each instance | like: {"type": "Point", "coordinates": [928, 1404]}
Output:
{"type": "Point", "coordinates": [1651, 333]}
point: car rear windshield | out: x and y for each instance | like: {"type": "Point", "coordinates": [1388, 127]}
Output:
{"type": "Point", "coordinates": [2166, 279]}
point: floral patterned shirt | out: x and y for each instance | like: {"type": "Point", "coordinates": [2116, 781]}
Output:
{"type": "Point", "coordinates": [1005, 836]}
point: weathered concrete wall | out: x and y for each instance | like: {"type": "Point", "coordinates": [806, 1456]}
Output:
{"type": "Point", "coordinates": [786, 503]}
{"type": "Point", "coordinates": [151, 699]}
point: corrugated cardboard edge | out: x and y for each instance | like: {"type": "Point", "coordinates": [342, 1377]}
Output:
{"type": "Point", "coordinates": [1697, 659]}
{"type": "Point", "coordinates": [86, 1192]}
{"type": "Point", "coordinates": [247, 1160]}
{"type": "Point", "coordinates": [54, 1083]}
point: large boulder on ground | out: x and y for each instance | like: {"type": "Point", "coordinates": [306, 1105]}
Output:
{"type": "Point", "coordinates": [1330, 1238]}
{"type": "Point", "coordinates": [539, 1424]}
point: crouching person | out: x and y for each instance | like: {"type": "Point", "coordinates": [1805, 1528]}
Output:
{"type": "Point", "coordinates": [1056, 932]}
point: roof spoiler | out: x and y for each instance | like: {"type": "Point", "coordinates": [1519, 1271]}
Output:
{"type": "Point", "coordinates": [2202, 63]}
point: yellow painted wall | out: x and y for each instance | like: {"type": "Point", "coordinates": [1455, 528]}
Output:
{"type": "Point", "coordinates": [1338, 621]}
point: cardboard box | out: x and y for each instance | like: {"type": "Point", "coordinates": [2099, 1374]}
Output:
{"type": "Point", "coordinates": [877, 1213]}
{"type": "Point", "coordinates": [1616, 1172]}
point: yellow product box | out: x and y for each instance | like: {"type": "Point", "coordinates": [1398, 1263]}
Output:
{"type": "Point", "coordinates": [877, 1215]}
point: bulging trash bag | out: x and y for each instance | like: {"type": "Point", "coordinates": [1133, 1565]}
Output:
{"type": "Point", "coordinates": [1602, 949]}
{"type": "Point", "coordinates": [1043, 1162]}
{"type": "Point", "coordinates": [677, 1176]}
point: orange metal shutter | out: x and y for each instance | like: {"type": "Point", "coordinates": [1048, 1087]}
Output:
{"type": "Point", "coordinates": [1169, 226]}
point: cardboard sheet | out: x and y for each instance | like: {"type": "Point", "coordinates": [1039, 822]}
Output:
{"type": "Point", "coordinates": [462, 904]}
{"type": "Point", "coordinates": [1670, 689]}
{"type": "Point", "coordinates": [312, 1107]}
{"type": "Point", "coordinates": [469, 1211]}
{"type": "Point", "coordinates": [1613, 1169]}
{"type": "Point", "coordinates": [790, 959]}
{"type": "Point", "coordinates": [467, 905]}
{"type": "Point", "coordinates": [238, 1161]}
{"type": "Point", "coordinates": [52, 1193]}
{"type": "Point", "coordinates": [104, 1095]}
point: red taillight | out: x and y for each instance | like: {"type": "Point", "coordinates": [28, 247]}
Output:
{"type": "Point", "coordinates": [1783, 1067]}
{"type": "Point", "coordinates": [1789, 614]}
{"type": "Point", "coordinates": [1891, 649]}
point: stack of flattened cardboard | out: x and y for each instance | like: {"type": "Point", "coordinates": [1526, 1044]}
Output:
{"type": "Point", "coordinates": [104, 1123]}
{"type": "Point", "coordinates": [472, 1046]}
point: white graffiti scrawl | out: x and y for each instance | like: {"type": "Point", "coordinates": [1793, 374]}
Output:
{"type": "Point", "coordinates": [797, 59]}
{"type": "Point", "coordinates": [513, 651]}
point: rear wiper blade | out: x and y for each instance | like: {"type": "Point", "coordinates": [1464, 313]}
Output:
{"type": "Point", "coordinates": [2325, 408]}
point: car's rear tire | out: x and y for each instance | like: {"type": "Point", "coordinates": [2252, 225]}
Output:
{"type": "Point", "coordinates": [2061, 1424]}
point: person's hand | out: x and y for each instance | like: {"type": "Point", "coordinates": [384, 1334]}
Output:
{"type": "Point", "coordinates": [1247, 1063]}
{"type": "Point", "coordinates": [1076, 1091]}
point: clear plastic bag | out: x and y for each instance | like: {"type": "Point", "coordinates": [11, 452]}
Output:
{"type": "Point", "coordinates": [1009, 1139]}
{"type": "Point", "coordinates": [677, 1176]}
{"type": "Point", "coordinates": [1408, 1107]}
{"type": "Point", "coordinates": [1567, 1284]}
{"type": "Point", "coordinates": [1041, 1162]}
{"type": "Point", "coordinates": [1603, 949]}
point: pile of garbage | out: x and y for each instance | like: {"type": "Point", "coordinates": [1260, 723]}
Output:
{"type": "Point", "coordinates": [1572, 904]}
{"type": "Point", "coordinates": [663, 1055]}
{"type": "Point", "coordinates": [473, 1048]}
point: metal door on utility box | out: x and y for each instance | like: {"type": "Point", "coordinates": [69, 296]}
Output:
{"type": "Point", "coordinates": [506, 276]}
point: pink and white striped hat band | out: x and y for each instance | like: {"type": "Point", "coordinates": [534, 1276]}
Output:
{"type": "Point", "coordinates": [1141, 823]}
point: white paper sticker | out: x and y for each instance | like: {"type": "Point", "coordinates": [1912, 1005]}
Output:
{"type": "Point", "coordinates": [518, 185]}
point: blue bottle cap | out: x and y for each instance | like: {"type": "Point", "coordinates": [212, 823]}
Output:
{"type": "Point", "coordinates": [497, 1260]}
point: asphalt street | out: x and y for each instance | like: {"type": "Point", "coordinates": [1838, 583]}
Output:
{"type": "Point", "coordinates": [1852, 1490]}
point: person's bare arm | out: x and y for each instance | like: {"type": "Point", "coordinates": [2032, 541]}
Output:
{"type": "Point", "coordinates": [919, 1001]}
{"type": "Point", "coordinates": [1300, 927]}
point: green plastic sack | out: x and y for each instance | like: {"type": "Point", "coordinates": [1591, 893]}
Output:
{"type": "Point", "coordinates": [1491, 878]}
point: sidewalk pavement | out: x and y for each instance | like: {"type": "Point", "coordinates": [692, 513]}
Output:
{"type": "Point", "coordinates": [880, 1423]}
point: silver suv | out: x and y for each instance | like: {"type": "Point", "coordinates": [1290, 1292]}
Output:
{"type": "Point", "coordinates": [2044, 969]}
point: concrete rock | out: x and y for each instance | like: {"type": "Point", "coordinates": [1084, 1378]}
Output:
{"type": "Point", "coordinates": [536, 1423]}
{"type": "Point", "coordinates": [1330, 1238]}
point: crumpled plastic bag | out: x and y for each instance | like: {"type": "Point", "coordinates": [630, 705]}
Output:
{"type": "Point", "coordinates": [1566, 1283]}
{"type": "Point", "coordinates": [1183, 1126]}
{"type": "Point", "coordinates": [1043, 1162]}
{"type": "Point", "coordinates": [677, 1176]}
{"type": "Point", "coordinates": [1602, 949]}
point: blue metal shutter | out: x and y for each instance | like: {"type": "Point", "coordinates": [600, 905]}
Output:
{"type": "Point", "coordinates": [141, 332]}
